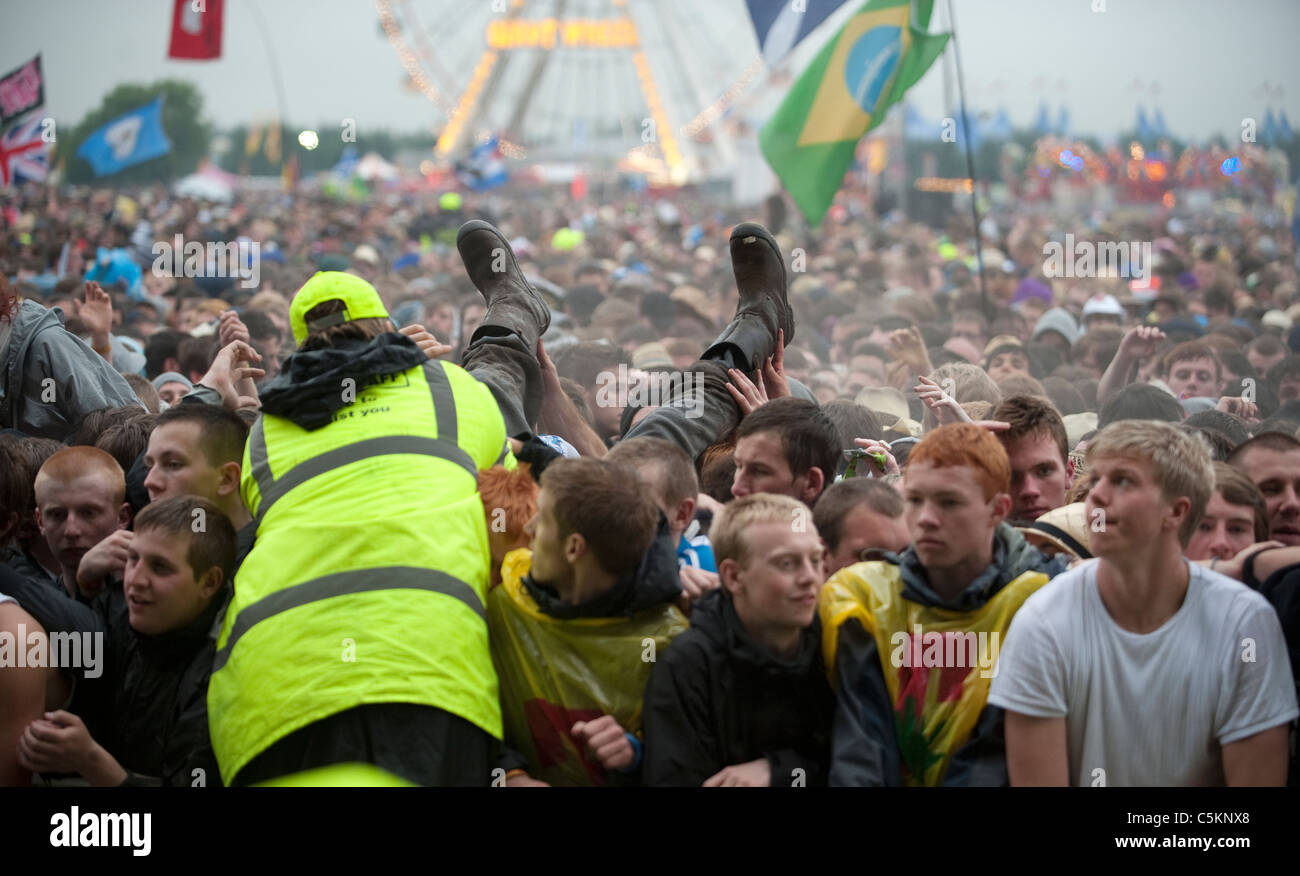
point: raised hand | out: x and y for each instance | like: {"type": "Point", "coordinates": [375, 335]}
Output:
{"type": "Point", "coordinates": [232, 375]}
{"type": "Point", "coordinates": [424, 339]}
{"type": "Point", "coordinates": [749, 395]}
{"type": "Point", "coordinates": [945, 407]}
{"type": "Point", "coordinates": [96, 312]}
{"type": "Point", "coordinates": [232, 328]}
{"type": "Point", "coordinates": [1140, 343]}
{"type": "Point", "coordinates": [774, 377]}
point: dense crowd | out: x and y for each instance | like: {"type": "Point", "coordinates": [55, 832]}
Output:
{"type": "Point", "coordinates": [642, 493]}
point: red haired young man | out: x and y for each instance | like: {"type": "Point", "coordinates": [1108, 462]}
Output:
{"type": "Point", "coordinates": [912, 646]}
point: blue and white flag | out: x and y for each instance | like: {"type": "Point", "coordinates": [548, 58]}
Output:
{"type": "Point", "coordinates": [485, 168]}
{"type": "Point", "coordinates": [127, 140]}
{"type": "Point", "coordinates": [781, 24]}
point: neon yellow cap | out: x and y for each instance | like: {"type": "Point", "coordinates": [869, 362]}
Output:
{"type": "Point", "coordinates": [360, 301]}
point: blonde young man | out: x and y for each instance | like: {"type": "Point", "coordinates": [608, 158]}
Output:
{"type": "Point", "coordinates": [741, 699]}
{"type": "Point", "coordinates": [1139, 667]}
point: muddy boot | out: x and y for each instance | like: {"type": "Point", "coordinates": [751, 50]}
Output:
{"type": "Point", "coordinates": [513, 305]}
{"type": "Point", "coordinates": [502, 354]}
{"type": "Point", "coordinates": [751, 336]}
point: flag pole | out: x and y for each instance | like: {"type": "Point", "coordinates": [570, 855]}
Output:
{"type": "Point", "coordinates": [970, 163]}
{"type": "Point", "coordinates": [276, 79]}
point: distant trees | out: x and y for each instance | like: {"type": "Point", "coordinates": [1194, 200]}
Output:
{"type": "Point", "coordinates": [182, 112]}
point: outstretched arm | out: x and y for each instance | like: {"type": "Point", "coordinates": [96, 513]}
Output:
{"type": "Point", "coordinates": [559, 416]}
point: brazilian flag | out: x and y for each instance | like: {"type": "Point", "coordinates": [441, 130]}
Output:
{"type": "Point", "coordinates": [862, 71]}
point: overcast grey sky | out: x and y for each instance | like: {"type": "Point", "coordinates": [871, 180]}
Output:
{"type": "Point", "coordinates": [1209, 58]}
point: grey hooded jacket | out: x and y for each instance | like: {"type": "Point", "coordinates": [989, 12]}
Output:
{"type": "Point", "coordinates": [49, 378]}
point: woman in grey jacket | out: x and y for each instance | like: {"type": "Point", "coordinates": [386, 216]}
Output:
{"type": "Point", "coordinates": [49, 378]}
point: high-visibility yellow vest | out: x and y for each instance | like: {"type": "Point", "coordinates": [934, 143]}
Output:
{"type": "Point", "coordinates": [368, 577]}
{"type": "Point", "coordinates": [555, 673]}
{"type": "Point", "coordinates": [938, 682]}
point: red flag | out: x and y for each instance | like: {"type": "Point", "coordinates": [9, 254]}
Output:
{"type": "Point", "coordinates": [196, 30]}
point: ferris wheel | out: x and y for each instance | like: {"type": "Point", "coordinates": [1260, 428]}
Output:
{"type": "Point", "coordinates": [640, 84]}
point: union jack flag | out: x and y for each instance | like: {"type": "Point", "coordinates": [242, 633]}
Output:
{"type": "Point", "coordinates": [24, 154]}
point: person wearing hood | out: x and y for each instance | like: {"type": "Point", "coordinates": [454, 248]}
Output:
{"type": "Point", "coordinates": [358, 631]}
{"type": "Point", "coordinates": [49, 378]}
{"type": "Point", "coordinates": [911, 640]}
{"type": "Point", "coordinates": [1057, 328]}
{"type": "Point", "coordinates": [578, 623]}
{"type": "Point", "coordinates": [741, 698]}
{"type": "Point", "coordinates": [150, 710]}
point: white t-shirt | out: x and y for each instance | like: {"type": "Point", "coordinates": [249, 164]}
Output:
{"type": "Point", "coordinates": [1150, 709]}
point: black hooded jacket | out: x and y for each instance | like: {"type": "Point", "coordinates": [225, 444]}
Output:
{"type": "Point", "coordinates": [308, 390]}
{"type": "Point", "coordinates": [718, 698]}
{"type": "Point", "coordinates": [653, 582]}
{"type": "Point", "coordinates": [156, 723]}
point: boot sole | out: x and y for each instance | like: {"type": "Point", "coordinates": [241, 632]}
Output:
{"type": "Point", "coordinates": [752, 229]}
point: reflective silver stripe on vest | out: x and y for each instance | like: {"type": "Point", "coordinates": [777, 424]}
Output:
{"type": "Point", "coordinates": [343, 584]}
{"type": "Point", "coordinates": [272, 489]}
{"type": "Point", "coordinates": [444, 404]}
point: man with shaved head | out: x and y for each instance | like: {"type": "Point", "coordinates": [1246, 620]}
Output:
{"type": "Point", "coordinates": [80, 505]}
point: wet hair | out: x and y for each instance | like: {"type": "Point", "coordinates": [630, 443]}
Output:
{"type": "Point", "coordinates": [1021, 384]}
{"type": "Point", "coordinates": [259, 325]}
{"type": "Point", "coordinates": [1237, 489]}
{"type": "Point", "coordinates": [969, 382]}
{"type": "Point", "coordinates": [1279, 442]}
{"type": "Point", "coordinates": [841, 498]}
{"type": "Point", "coordinates": [97, 422]}
{"type": "Point", "coordinates": [1031, 416]}
{"type": "Point", "coordinates": [851, 421]}
{"type": "Point", "coordinates": [663, 465]}
{"type": "Point", "coordinates": [727, 534]}
{"type": "Point", "coordinates": [1187, 351]}
{"type": "Point", "coordinates": [1229, 426]}
{"type": "Point", "coordinates": [718, 471]}
{"type": "Point", "coordinates": [1180, 462]}
{"type": "Point", "coordinates": [1140, 401]}
{"type": "Point", "coordinates": [144, 391]}
{"type": "Point", "coordinates": [1215, 441]}
{"type": "Point", "coordinates": [808, 436]}
{"type": "Point", "coordinates": [1065, 395]}
{"type": "Point", "coordinates": [72, 463]}
{"type": "Point", "coordinates": [161, 346]}
{"type": "Point", "coordinates": [211, 544]}
{"type": "Point", "coordinates": [195, 355]}
{"type": "Point", "coordinates": [125, 441]}
{"type": "Point", "coordinates": [513, 491]}
{"type": "Point", "coordinates": [1267, 345]}
{"type": "Point", "coordinates": [607, 505]}
{"type": "Point", "coordinates": [965, 444]}
{"type": "Point", "coordinates": [1288, 367]}
{"type": "Point", "coordinates": [222, 433]}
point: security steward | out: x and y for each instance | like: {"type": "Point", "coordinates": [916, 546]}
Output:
{"type": "Point", "coordinates": [357, 630]}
